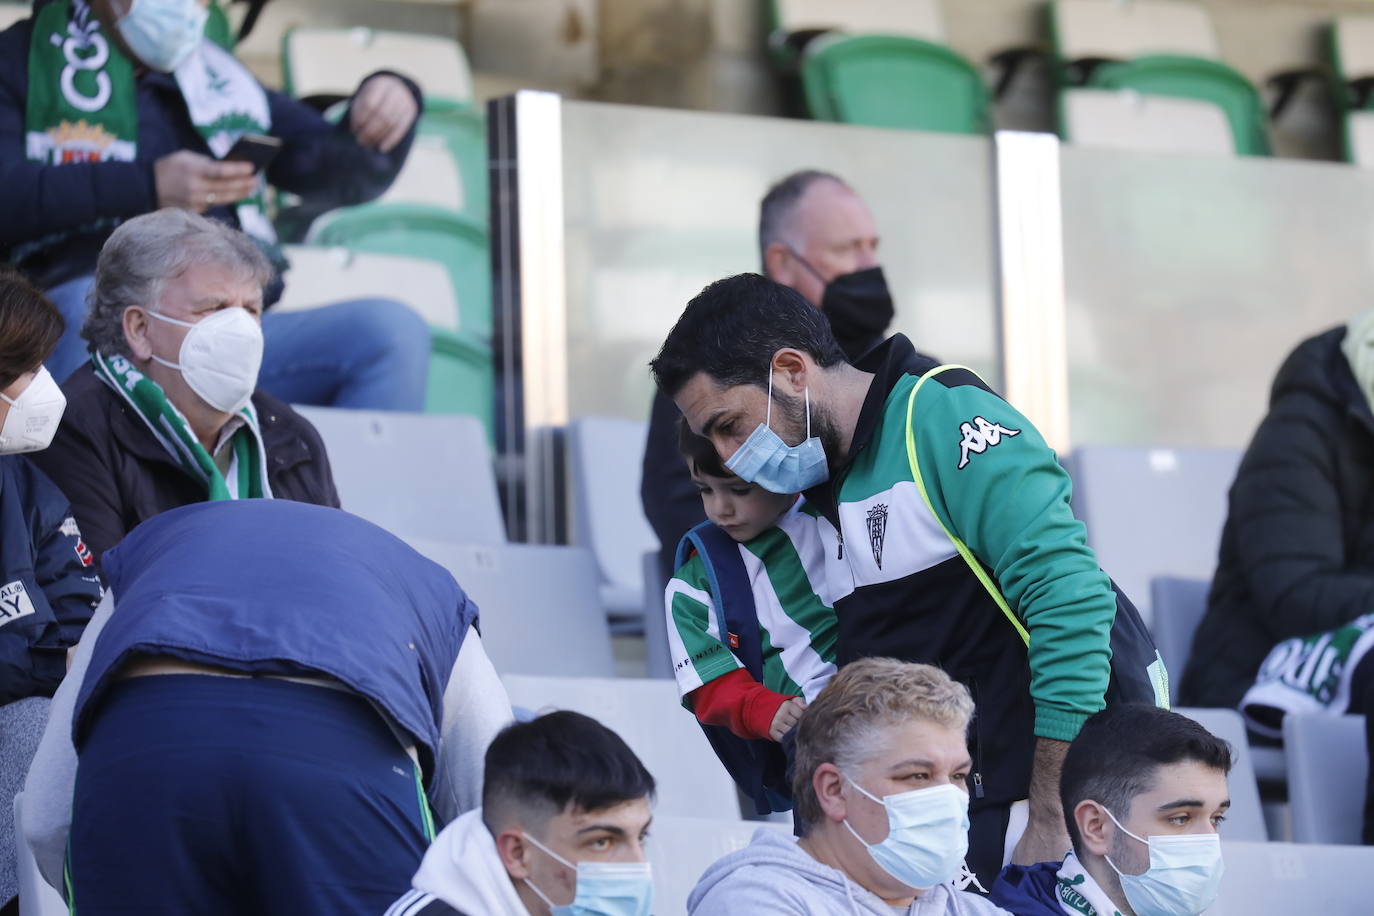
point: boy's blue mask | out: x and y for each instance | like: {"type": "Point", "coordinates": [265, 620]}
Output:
{"type": "Point", "coordinates": [766, 460]}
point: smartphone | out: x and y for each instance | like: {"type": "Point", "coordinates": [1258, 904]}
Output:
{"type": "Point", "coordinates": [258, 149]}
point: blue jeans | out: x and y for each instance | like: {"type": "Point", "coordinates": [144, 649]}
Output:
{"type": "Point", "coordinates": [364, 353]}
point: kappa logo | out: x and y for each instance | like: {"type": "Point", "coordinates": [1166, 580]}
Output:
{"type": "Point", "coordinates": [979, 436]}
{"type": "Point", "coordinates": [14, 602]}
{"type": "Point", "coordinates": [877, 531]}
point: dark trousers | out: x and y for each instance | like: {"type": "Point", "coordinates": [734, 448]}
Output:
{"type": "Point", "coordinates": [211, 796]}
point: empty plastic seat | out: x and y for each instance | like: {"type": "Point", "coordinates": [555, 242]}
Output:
{"type": "Point", "coordinates": [893, 81]}
{"type": "Point", "coordinates": [1245, 820]}
{"type": "Point", "coordinates": [1113, 30]}
{"type": "Point", "coordinates": [1328, 764]}
{"type": "Point", "coordinates": [447, 165]}
{"type": "Point", "coordinates": [648, 715]}
{"type": "Point", "coordinates": [540, 612]}
{"type": "Point", "coordinates": [323, 274]}
{"type": "Point", "coordinates": [333, 61]}
{"type": "Point", "coordinates": [1129, 120]}
{"type": "Point", "coordinates": [682, 848]}
{"type": "Point", "coordinates": [1293, 878]}
{"type": "Point", "coordinates": [1152, 512]}
{"type": "Point", "coordinates": [423, 475]}
{"type": "Point", "coordinates": [1178, 606]}
{"type": "Point", "coordinates": [911, 18]}
{"type": "Point", "coordinates": [605, 457]}
{"type": "Point", "coordinates": [36, 896]}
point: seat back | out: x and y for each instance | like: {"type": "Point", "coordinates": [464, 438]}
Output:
{"type": "Point", "coordinates": [320, 60]}
{"type": "Point", "coordinates": [648, 715]}
{"type": "Point", "coordinates": [1200, 80]}
{"type": "Point", "coordinates": [893, 81]}
{"type": "Point", "coordinates": [1110, 29]}
{"type": "Point", "coordinates": [605, 461]}
{"type": "Point", "coordinates": [425, 475]}
{"type": "Point", "coordinates": [1152, 512]}
{"type": "Point", "coordinates": [1353, 46]}
{"type": "Point", "coordinates": [1359, 138]}
{"type": "Point", "coordinates": [430, 176]}
{"type": "Point", "coordinates": [910, 18]}
{"type": "Point", "coordinates": [322, 274]}
{"type": "Point", "coordinates": [1123, 119]}
{"type": "Point", "coordinates": [658, 660]}
{"type": "Point", "coordinates": [1328, 765]}
{"type": "Point", "coordinates": [1293, 878]}
{"type": "Point", "coordinates": [36, 896]}
{"type": "Point", "coordinates": [540, 611]}
{"type": "Point", "coordinates": [1245, 820]}
{"type": "Point", "coordinates": [683, 848]}
{"type": "Point", "coordinates": [1178, 606]}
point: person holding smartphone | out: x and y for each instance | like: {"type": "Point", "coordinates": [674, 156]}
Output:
{"type": "Point", "coordinates": [114, 108]}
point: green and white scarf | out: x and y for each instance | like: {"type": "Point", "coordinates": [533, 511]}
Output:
{"type": "Point", "coordinates": [1078, 893]}
{"type": "Point", "coordinates": [247, 477]}
{"type": "Point", "coordinates": [82, 103]}
{"type": "Point", "coordinates": [1307, 674]}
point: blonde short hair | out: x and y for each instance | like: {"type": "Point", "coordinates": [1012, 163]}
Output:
{"type": "Point", "coordinates": [841, 726]}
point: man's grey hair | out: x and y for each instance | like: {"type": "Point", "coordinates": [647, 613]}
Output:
{"type": "Point", "coordinates": [775, 213]}
{"type": "Point", "coordinates": [147, 251]}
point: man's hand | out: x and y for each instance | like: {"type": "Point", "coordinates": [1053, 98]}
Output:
{"type": "Point", "coordinates": [1046, 838]}
{"type": "Point", "coordinates": [787, 716]}
{"type": "Point", "coordinates": [194, 182]}
{"type": "Point", "coordinates": [382, 112]}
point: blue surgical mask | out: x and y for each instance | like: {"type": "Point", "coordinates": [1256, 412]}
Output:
{"type": "Point", "coordinates": [163, 33]}
{"type": "Point", "coordinates": [766, 460]}
{"type": "Point", "coordinates": [1183, 878]}
{"type": "Point", "coordinates": [603, 888]}
{"type": "Point", "coordinates": [927, 835]}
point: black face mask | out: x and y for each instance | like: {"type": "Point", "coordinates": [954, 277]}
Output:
{"type": "Point", "coordinates": [859, 307]}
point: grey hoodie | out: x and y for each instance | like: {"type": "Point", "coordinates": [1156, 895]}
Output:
{"type": "Point", "coordinates": [773, 875]}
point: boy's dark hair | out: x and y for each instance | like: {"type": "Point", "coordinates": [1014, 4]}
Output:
{"type": "Point", "coordinates": [30, 326]}
{"type": "Point", "coordinates": [1118, 750]}
{"type": "Point", "coordinates": [535, 770]}
{"type": "Point", "coordinates": [701, 455]}
{"type": "Point", "coordinates": [733, 327]}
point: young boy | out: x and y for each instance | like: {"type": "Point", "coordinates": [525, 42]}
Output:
{"type": "Point", "coordinates": [780, 544]}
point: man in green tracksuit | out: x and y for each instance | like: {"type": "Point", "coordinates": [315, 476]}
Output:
{"type": "Point", "coordinates": [754, 368]}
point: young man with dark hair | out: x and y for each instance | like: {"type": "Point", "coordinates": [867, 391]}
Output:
{"type": "Point", "coordinates": [954, 539]}
{"type": "Point", "coordinates": [1144, 791]}
{"type": "Point", "coordinates": [564, 817]}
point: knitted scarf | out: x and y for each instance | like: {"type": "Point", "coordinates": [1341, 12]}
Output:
{"type": "Point", "coordinates": [82, 104]}
{"type": "Point", "coordinates": [247, 478]}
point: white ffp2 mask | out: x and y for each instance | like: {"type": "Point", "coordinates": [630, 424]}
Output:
{"type": "Point", "coordinates": [220, 357]}
{"type": "Point", "coordinates": [163, 33]}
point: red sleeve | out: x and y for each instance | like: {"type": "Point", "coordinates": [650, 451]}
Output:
{"type": "Point", "coordinates": [739, 703]}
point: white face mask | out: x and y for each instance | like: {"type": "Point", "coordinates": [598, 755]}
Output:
{"type": "Point", "coordinates": [603, 888]}
{"type": "Point", "coordinates": [1184, 876]}
{"type": "Point", "coordinates": [927, 834]}
{"type": "Point", "coordinates": [34, 415]}
{"type": "Point", "coordinates": [163, 33]}
{"type": "Point", "coordinates": [220, 357]}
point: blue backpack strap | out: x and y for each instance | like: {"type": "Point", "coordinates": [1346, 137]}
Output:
{"type": "Point", "coordinates": [759, 768]}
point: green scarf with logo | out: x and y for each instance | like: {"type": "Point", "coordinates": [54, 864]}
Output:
{"type": "Point", "coordinates": [247, 477]}
{"type": "Point", "coordinates": [82, 104]}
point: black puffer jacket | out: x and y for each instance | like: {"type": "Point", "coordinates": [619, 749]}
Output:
{"type": "Point", "coordinates": [1297, 552]}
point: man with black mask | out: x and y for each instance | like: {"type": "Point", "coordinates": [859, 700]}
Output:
{"type": "Point", "coordinates": [816, 236]}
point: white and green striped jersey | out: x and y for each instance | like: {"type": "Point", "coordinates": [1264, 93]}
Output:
{"type": "Point", "coordinates": [796, 612]}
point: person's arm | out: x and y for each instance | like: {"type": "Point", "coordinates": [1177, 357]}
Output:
{"type": "Point", "coordinates": [998, 486]}
{"type": "Point", "coordinates": [51, 780]}
{"type": "Point", "coordinates": [475, 709]}
{"type": "Point", "coordinates": [750, 710]}
{"type": "Point", "coordinates": [1290, 502]}
{"type": "Point", "coordinates": [339, 164]}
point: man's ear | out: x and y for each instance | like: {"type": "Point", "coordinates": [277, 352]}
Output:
{"type": "Point", "coordinates": [514, 853]}
{"type": "Point", "coordinates": [778, 263]}
{"type": "Point", "coordinates": [828, 784]}
{"type": "Point", "coordinates": [135, 322]}
{"type": "Point", "coordinates": [793, 371]}
{"type": "Point", "coordinates": [1093, 830]}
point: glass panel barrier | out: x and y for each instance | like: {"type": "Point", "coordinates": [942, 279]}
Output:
{"type": "Point", "coordinates": [1189, 279]}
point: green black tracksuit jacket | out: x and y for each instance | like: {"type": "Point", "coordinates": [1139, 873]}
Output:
{"type": "Point", "coordinates": [904, 591]}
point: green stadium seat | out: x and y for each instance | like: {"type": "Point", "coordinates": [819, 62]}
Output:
{"type": "Point", "coordinates": [1127, 120]}
{"type": "Point", "coordinates": [1197, 79]}
{"type": "Point", "coordinates": [332, 61]}
{"type": "Point", "coordinates": [893, 81]}
{"type": "Point", "coordinates": [1113, 30]}
{"type": "Point", "coordinates": [447, 165]}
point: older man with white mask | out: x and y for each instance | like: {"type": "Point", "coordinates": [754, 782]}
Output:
{"type": "Point", "coordinates": [166, 412]}
{"type": "Point", "coordinates": [881, 793]}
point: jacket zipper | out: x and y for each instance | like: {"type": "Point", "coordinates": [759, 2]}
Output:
{"type": "Point", "coordinates": [978, 737]}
